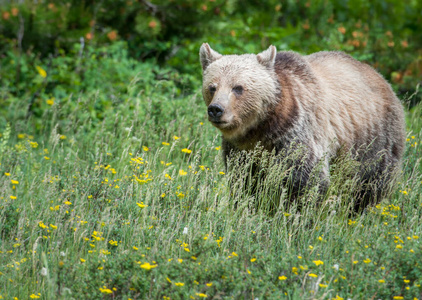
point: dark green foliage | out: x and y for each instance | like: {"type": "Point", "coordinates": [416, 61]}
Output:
{"type": "Point", "coordinates": [9, 218]}
{"type": "Point", "coordinates": [385, 34]}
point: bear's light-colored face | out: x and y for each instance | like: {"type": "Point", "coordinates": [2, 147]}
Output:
{"type": "Point", "coordinates": [238, 89]}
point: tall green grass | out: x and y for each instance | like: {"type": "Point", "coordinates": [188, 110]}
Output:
{"type": "Point", "coordinates": [138, 205]}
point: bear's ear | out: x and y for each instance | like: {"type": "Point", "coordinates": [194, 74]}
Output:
{"type": "Point", "coordinates": [207, 55]}
{"type": "Point", "coordinates": [267, 57]}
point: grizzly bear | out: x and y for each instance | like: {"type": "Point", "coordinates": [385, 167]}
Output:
{"type": "Point", "coordinates": [326, 102]}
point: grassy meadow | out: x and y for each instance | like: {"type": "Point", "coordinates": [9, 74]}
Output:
{"type": "Point", "coordinates": [130, 200]}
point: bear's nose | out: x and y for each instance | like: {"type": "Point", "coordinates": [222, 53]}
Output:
{"type": "Point", "coordinates": [215, 111]}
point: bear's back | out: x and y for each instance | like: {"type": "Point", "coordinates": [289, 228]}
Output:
{"type": "Point", "coordinates": [357, 105]}
{"type": "Point", "coordinates": [342, 100]}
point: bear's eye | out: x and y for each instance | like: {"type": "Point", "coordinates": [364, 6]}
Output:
{"type": "Point", "coordinates": [212, 89]}
{"type": "Point", "coordinates": [238, 89]}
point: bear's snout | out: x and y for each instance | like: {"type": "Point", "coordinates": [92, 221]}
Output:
{"type": "Point", "coordinates": [215, 111]}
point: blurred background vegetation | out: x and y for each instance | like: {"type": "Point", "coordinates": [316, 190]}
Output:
{"type": "Point", "coordinates": [53, 50]}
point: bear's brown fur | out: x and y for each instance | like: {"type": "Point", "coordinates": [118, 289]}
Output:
{"type": "Point", "coordinates": [326, 102]}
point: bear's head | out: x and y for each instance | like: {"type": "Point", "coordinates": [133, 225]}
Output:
{"type": "Point", "coordinates": [238, 90]}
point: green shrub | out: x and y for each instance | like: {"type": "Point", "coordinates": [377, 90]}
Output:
{"type": "Point", "coordinates": [384, 34]}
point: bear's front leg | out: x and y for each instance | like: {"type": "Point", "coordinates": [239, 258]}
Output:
{"type": "Point", "coordinates": [305, 171]}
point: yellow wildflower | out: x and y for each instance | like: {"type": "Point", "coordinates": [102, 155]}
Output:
{"type": "Point", "coordinates": [147, 266]}
{"type": "Point", "coordinates": [282, 277]}
{"type": "Point", "coordinates": [313, 275]}
{"type": "Point", "coordinates": [41, 71]}
{"type": "Point", "coordinates": [141, 205]}
{"type": "Point", "coordinates": [318, 262]}
{"type": "Point", "coordinates": [42, 225]}
{"type": "Point", "coordinates": [179, 284]}
{"type": "Point", "coordinates": [105, 290]}
{"type": "Point", "coordinates": [185, 150]}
